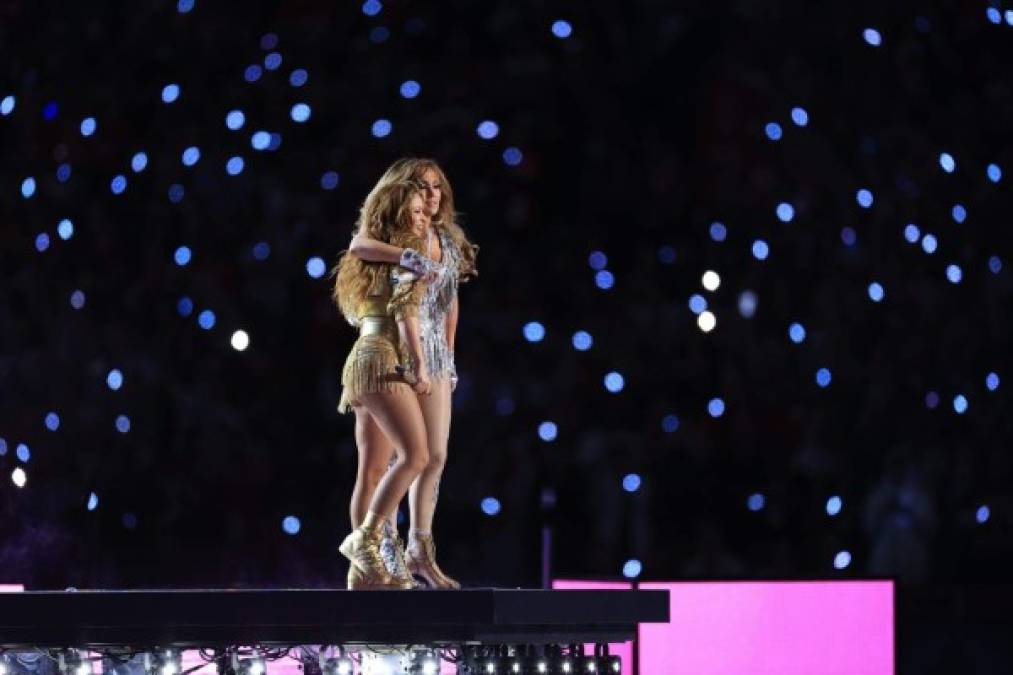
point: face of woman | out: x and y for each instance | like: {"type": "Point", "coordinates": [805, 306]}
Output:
{"type": "Point", "coordinates": [431, 190]}
{"type": "Point", "coordinates": [419, 212]}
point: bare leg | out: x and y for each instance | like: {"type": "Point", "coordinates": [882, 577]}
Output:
{"type": "Point", "coordinates": [424, 491]}
{"type": "Point", "coordinates": [399, 417]}
{"type": "Point", "coordinates": [375, 454]}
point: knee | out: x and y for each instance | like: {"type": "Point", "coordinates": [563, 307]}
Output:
{"type": "Point", "coordinates": [371, 474]}
{"type": "Point", "coordinates": [417, 460]}
{"type": "Point", "coordinates": [437, 460]}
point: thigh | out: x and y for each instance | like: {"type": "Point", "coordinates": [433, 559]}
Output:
{"type": "Point", "coordinates": [398, 416]}
{"type": "Point", "coordinates": [435, 408]}
{"type": "Point", "coordinates": [375, 449]}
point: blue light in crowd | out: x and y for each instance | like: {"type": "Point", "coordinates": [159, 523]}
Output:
{"type": "Point", "coordinates": [268, 41]}
{"type": "Point", "coordinates": [379, 34]}
{"type": "Point", "coordinates": [235, 119]}
{"type": "Point", "coordinates": [547, 431]}
{"type": "Point", "coordinates": [773, 131]}
{"type": "Point", "coordinates": [138, 162]}
{"type": "Point", "coordinates": [63, 172]}
{"type": "Point", "coordinates": [88, 126]}
{"type": "Point", "coordinates": [92, 501]}
{"type": "Point", "coordinates": [876, 292]}
{"type": "Point", "coordinates": [50, 111]}
{"type": "Point", "coordinates": [275, 141]}
{"type": "Point", "coordinates": [960, 404]}
{"type": "Point", "coordinates": [7, 105]}
{"type": "Point", "coordinates": [185, 306]}
{"type": "Point", "coordinates": [118, 184]}
{"type": "Point", "coordinates": [872, 36]}
{"type": "Point", "coordinates": [490, 506]}
{"type": "Point", "coordinates": [785, 212]}
{"type": "Point", "coordinates": [191, 156]}
{"type": "Point", "coordinates": [410, 89]}
{"type": "Point", "coordinates": [597, 260]}
{"type": "Point", "coordinates": [65, 228]}
{"type": "Point", "coordinates": [382, 128]}
{"type": "Point", "coordinates": [718, 231]}
{"type": "Point", "coordinates": [23, 453]}
{"type": "Point", "coordinates": [329, 180]}
{"type": "Point", "coordinates": [604, 280]}
{"type": "Point", "coordinates": [182, 255]}
{"type": "Point", "coordinates": [176, 192]}
{"type": "Point", "coordinates": [300, 112]}
{"type": "Point", "coordinates": [512, 156]}
{"type": "Point", "coordinates": [252, 73]}
{"type": "Point", "coordinates": [929, 243]}
{"type": "Point", "coordinates": [183, 6]}
{"type": "Point", "coordinates": [848, 236]}
{"type": "Point", "coordinates": [114, 379]}
{"type": "Point", "coordinates": [796, 333]}
{"type": "Point", "coordinates": [315, 267]}
{"type": "Point", "coordinates": [582, 341]}
{"type": "Point", "coordinates": [697, 303]}
{"type": "Point", "coordinates": [715, 407]}
{"type": "Point", "coordinates": [842, 560]}
{"type": "Point", "coordinates": [614, 382]}
{"type": "Point", "coordinates": [77, 299]}
{"type": "Point", "coordinates": [834, 505]}
{"type": "Point", "coordinates": [954, 273]}
{"type": "Point", "coordinates": [272, 61]}
{"type": "Point", "coordinates": [52, 421]}
{"type": "Point", "coordinates": [261, 250]}
{"type": "Point", "coordinates": [912, 233]}
{"type": "Point", "coordinates": [992, 381]}
{"type": "Point", "coordinates": [290, 525]}
{"type": "Point", "coordinates": [666, 255]}
{"type": "Point", "coordinates": [372, 7]}
{"type": "Point", "coordinates": [562, 29]}
{"type": "Point", "coordinates": [129, 521]}
{"type": "Point", "coordinates": [632, 568]}
{"type": "Point", "coordinates": [823, 377]}
{"type": "Point", "coordinates": [994, 173]}
{"type": "Point", "coordinates": [670, 424]}
{"type": "Point", "coordinates": [982, 514]}
{"type": "Point", "coordinates": [1009, 17]}
{"type": "Point", "coordinates": [260, 140]}
{"type": "Point", "coordinates": [122, 424]}
{"type": "Point", "coordinates": [534, 331]}
{"type": "Point", "coordinates": [170, 93]}
{"type": "Point", "coordinates": [864, 198]}
{"type": "Point", "coordinates": [799, 116]}
{"type": "Point", "coordinates": [947, 162]}
{"type": "Point", "coordinates": [487, 130]}
{"type": "Point", "coordinates": [994, 264]}
{"type": "Point", "coordinates": [206, 319]}
{"type": "Point", "coordinates": [234, 166]}
{"type": "Point", "coordinates": [298, 77]}
{"type": "Point", "coordinates": [756, 502]}
{"type": "Point", "coordinates": [28, 187]}
{"type": "Point", "coordinates": [932, 400]}
{"type": "Point", "coordinates": [631, 482]}
{"type": "Point", "coordinates": [760, 249]}
{"type": "Point", "coordinates": [3, 447]}
{"type": "Point", "coordinates": [41, 242]}
{"type": "Point", "coordinates": [993, 15]}
{"type": "Point", "coordinates": [959, 213]}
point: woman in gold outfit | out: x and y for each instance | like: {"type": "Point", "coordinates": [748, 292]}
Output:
{"type": "Point", "coordinates": [445, 259]}
{"type": "Point", "coordinates": [386, 368]}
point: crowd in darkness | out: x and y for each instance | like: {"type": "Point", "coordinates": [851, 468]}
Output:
{"type": "Point", "coordinates": [638, 125]}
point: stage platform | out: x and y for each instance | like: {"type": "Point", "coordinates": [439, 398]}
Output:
{"type": "Point", "coordinates": [94, 619]}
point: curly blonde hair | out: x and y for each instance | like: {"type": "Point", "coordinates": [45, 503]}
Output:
{"type": "Point", "coordinates": [385, 215]}
{"type": "Point", "coordinates": [411, 169]}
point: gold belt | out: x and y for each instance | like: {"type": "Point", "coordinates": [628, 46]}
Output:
{"type": "Point", "coordinates": [373, 325]}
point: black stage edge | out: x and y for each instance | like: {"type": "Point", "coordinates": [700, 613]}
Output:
{"type": "Point", "coordinates": [193, 618]}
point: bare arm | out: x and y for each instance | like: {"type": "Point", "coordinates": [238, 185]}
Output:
{"type": "Point", "coordinates": [451, 324]}
{"type": "Point", "coordinates": [371, 250]}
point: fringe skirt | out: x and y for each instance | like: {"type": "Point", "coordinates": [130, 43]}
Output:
{"type": "Point", "coordinates": [372, 364]}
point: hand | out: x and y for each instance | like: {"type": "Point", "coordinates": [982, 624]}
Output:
{"type": "Point", "coordinates": [422, 385]}
{"type": "Point", "coordinates": [414, 261]}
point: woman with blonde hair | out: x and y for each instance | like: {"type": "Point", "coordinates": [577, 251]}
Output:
{"type": "Point", "coordinates": [445, 259]}
{"type": "Point", "coordinates": [386, 368]}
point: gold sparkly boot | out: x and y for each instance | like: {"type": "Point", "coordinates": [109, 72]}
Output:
{"type": "Point", "coordinates": [421, 560]}
{"type": "Point", "coordinates": [368, 571]}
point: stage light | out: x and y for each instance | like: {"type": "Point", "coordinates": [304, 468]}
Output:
{"type": "Point", "coordinates": [379, 35]}
{"type": "Point", "coordinates": [138, 162]}
{"type": "Point", "coordinates": [716, 407]}
{"type": "Point", "coordinates": [300, 112]}
{"type": "Point", "coordinates": [994, 173]}
{"type": "Point", "coordinates": [487, 130]}
{"type": "Point", "coordinates": [63, 172]}
{"type": "Point", "coordinates": [298, 77]}
{"type": "Point", "coordinates": [252, 73]}
{"type": "Point", "coordinates": [982, 514]}
{"type": "Point", "coordinates": [372, 7]}
{"type": "Point", "coordinates": [932, 400]}
{"type": "Point", "coordinates": [490, 666]}
{"type": "Point", "coordinates": [960, 404]}
{"type": "Point", "coordinates": [118, 184]}
{"type": "Point", "coordinates": [799, 116]}
{"type": "Point", "coordinates": [597, 260]}
{"type": "Point", "coordinates": [947, 162]}
{"type": "Point", "coordinates": [52, 421]}
{"type": "Point", "coordinates": [718, 231]}
{"type": "Point", "coordinates": [162, 662]}
{"type": "Point", "coordinates": [562, 29]}
{"type": "Point", "coordinates": [631, 482]}
{"type": "Point", "coordinates": [773, 131]}
{"type": "Point", "coordinates": [706, 321]}
{"type": "Point", "coordinates": [864, 198]}
{"type": "Point", "coordinates": [669, 424]}
{"type": "Point", "coordinates": [65, 228]}
{"type": "Point", "coordinates": [206, 319]}
{"type": "Point", "coordinates": [114, 379]}
{"type": "Point", "coordinates": [876, 292]}
{"type": "Point", "coordinates": [185, 306]}
{"type": "Point", "coordinates": [823, 377]}
{"type": "Point", "coordinates": [954, 273]}
{"type": "Point", "coordinates": [565, 665]}
{"type": "Point", "coordinates": [929, 243]}
{"type": "Point", "coordinates": [272, 61]}
{"type": "Point", "coordinates": [912, 233]}
{"type": "Point", "coordinates": [184, 6]}
{"type": "Point", "coordinates": [170, 93]}
{"type": "Point", "coordinates": [240, 340]}
{"type": "Point", "coordinates": [872, 37]}
{"type": "Point", "coordinates": [582, 341]}
{"type": "Point", "coordinates": [382, 128]}
{"type": "Point", "coordinates": [834, 505]}
{"type": "Point", "coordinates": [28, 187]}
{"type": "Point", "coordinates": [77, 299]}
{"type": "Point", "coordinates": [590, 664]}
{"type": "Point", "coordinates": [842, 560]}
{"type": "Point", "coordinates": [748, 303]}
{"type": "Point", "coordinates": [614, 382]}
{"type": "Point", "coordinates": [235, 165]}
{"type": "Point", "coordinates": [491, 506]}
{"type": "Point", "coordinates": [191, 156]}
{"type": "Point", "coordinates": [959, 213]}
{"type": "Point", "coordinates": [19, 477]}
{"type": "Point", "coordinates": [993, 15]}
{"type": "Point", "coordinates": [122, 424]}
{"type": "Point", "coordinates": [260, 140]}
{"type": "Point", "coordinates": [3, 446]}
{"type": "Point", "coordinates": [88, 126]}
{"type": "Point", "coordinates": [848, 236]}
{"type": "Point", "coordinates": [315, 267]}
{"type": "Point", "coordinates": [261, 250]}
{"type": "Point", "coordinates": [796, 333]}
{"type": "Point", "coordinates": [41, 242]}
{"type": "Point", "coordinates": [7, 105]}
{"type": "Point", "coordinates": [994, 264]}
{"type": "Point", "coordinates": [697, 303]}
{"type": "Point", "coordinates": [547, 431]}
{"type": "Point", "coordinates": [666, 255]}
{"type": "Point", "coordinates": [50, 111]}
{"type": "Point", "coordinates": [410, 89]}
{"type": "Point", "coordinates": [512, 156]}
{"type": "Point", "coordinates": [92, 501]}
{"type": "Point", "coordinates": [23, 452]}
{"type": "Point", "coordinates": [760, 249]}
{"type": "Point", "coordinates": [182, 256]}
{"type": "Point", "coordinates": [992, 381]}
{"type": "Point", "coordinates": [290, 525]}
{"type": "Point", "coordinates": [1009, 17]}
{"type": "Point", "coordinates": [534, 331]}
{"type": "Point", "coordinates": [756, 502]}
{"type": "Point", "coordinates": [329, 180]}
{"type": "Point", "coordinates": [785, 212]}
{"type": "Point", "coordinates": [711, 280]}
{"type": "Point", "coordinates": [176, 192]}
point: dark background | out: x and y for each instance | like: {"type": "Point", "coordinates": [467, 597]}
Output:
{"type": "Point", "coordinates": [638, 131]}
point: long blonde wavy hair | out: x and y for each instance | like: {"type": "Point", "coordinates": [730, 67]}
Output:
{"type": "Point", "coordinates": [411, 169]}
{"type": "Point", "coordinates": [385, 215]}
